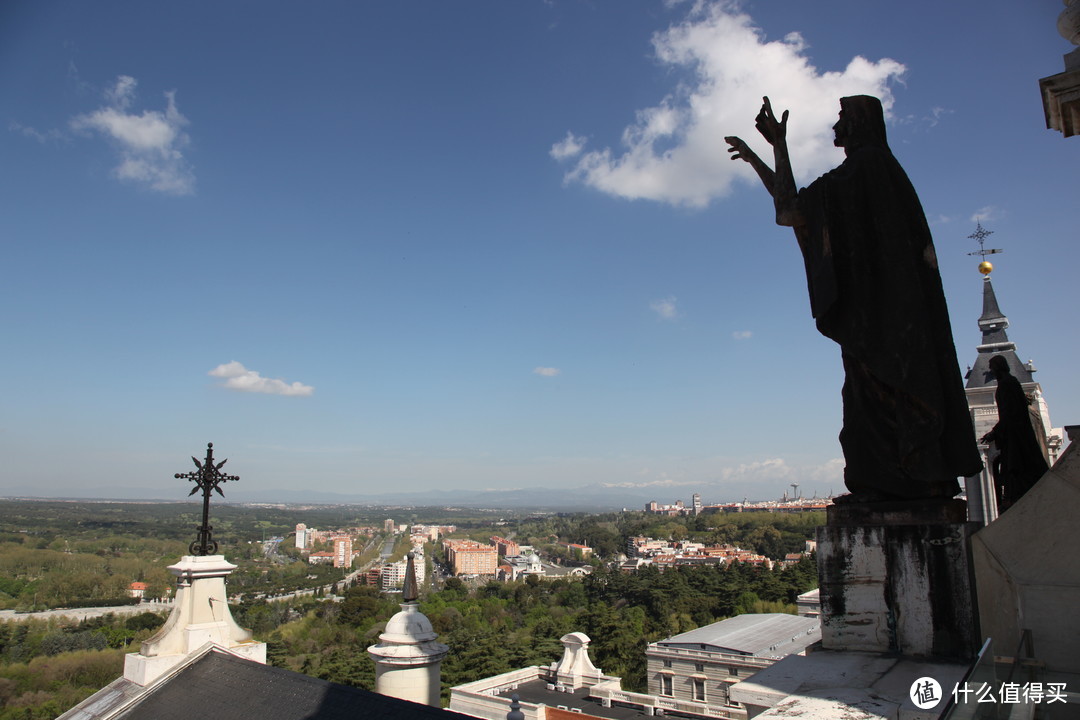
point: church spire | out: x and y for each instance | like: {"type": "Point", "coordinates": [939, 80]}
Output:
{"type": "Point", "coordinates": [992, 321]}
{"type": "Point", "coordinates": [992, 325]}
{"type": "Point", "coordinates": [409, 591]}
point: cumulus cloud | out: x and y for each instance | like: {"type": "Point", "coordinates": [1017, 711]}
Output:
{"type": "Point", "coordinates": [665, 308]}
{"type": "Point", "coordinates": [148, 143]}
{"type": "Point", "coordinates": [570, 146]}
{"type": "Point", "coordinates": [675, 152]}
{"type": "Point", "coordinates": [238, 377]}
{"type": "Point", "coordinates": [742, 334]}
{"type": "Point", "coordinates": [546, 371]}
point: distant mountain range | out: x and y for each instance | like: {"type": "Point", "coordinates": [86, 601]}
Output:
{"type": "Point", "coordinates": [590, 498]}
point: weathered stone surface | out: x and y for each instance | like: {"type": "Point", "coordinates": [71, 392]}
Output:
{"type": "Point", "coordinates": [1027, 566]}
{"type": "Point", "coordinates": [905, 589]}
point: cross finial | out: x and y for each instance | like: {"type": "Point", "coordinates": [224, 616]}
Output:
{"type": "Point", "coordinates": [206, 478]}
{"type": "Point", "coordinates": [980, 235]}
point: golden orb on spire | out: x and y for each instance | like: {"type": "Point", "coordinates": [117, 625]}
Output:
{"type": "Point", "coordinates": [986, 267]}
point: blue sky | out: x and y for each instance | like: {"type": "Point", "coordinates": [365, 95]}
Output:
{"type": "Point", "coordinates": [376, 246]}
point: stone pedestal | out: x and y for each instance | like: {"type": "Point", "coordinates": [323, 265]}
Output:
{"type": "Point", "coordinates": [897, 577]}
{"type": "Point", "coordinates": [200, 616]}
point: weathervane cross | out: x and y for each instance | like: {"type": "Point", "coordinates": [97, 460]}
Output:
{"type": "Point", "coordinates": [980, 235]}
{"type": "Point", "coordinates": [206, 478]}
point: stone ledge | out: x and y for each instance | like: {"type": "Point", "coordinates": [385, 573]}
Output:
{"type": "Point", "coordinates": [829, 684]}
{"type": "Point", "coordinates": [896, 512]}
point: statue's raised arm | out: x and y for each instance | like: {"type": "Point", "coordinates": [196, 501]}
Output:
{"type": "Point", "coordinates": [781, 182]}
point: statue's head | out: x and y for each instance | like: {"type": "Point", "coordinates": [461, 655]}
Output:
{"type": "Point", "coordinates": [999, 366]}
{"type": "Point", "coordinates": [862, 122]}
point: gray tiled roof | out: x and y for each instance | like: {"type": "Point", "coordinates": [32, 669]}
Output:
{"type": "Point", "coordinates": [752, 634]}
{"type": "Point", "coordinates": [536, 692]}
{"type": "Point", "coordinates": [225, 687]}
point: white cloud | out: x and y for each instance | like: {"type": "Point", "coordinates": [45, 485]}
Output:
{"type": "Point", "coordinates": [936, 114]}
{"type": "Point", "coordinates": [570, 146]}
{"type": "Point", "coordinates": [149, 143]}
{"type": "Point", "coordinates": [547, 371]}
{"type": "Point", "coordinates": [757, 479]}
{"type": "Point", "coordinates": [742, 334]}
{"type": "Point", "coordinates": [663, 482]}
{"type": "Point", "coordinates": [42, 137]}
{"type": "Point", "coordinates": [830, 474]}
{"type": "Point", "coordinates": [675, 151]}
{"type": "Point", "coordinates": [769, 469]}
{"type": "Point", "coordinates": [665, 307]}
{"type": "Point", "coordinates": [985, 214]}
{"type": "Point", "coordinates": [238, 377]}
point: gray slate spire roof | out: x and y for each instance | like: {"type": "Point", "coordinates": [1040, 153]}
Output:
{"type": "Point", "coordinates": [410, 592]}
{"type": "Point", "coordinates": [992, 323]}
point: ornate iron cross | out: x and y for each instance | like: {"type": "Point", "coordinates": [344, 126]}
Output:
{"type": "Point", "coordinates": [207, 479]}
{"type": "Point", "coordinates": [980, 236]}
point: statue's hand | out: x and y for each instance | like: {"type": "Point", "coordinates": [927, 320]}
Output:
{"type": "Point", "coordinates": [766, 123]}
{"type": "Point", "coordinates": [739, 150]}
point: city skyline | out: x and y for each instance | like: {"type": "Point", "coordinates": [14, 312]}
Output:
{"type": "Point", "coordinates": [370, 248]}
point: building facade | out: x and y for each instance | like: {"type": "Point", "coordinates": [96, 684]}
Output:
{"type": "Point", "coordinates": [343, 552]}
{"type": "Point", "coordinates": [467, 557]}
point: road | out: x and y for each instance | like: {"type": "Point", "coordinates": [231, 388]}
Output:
{"type": "Point", "coordinates": [387, 551]}
{"type": "Point", "coordinates": [86, 613]}
{"type": "Point", "coordinates": [270, 548]}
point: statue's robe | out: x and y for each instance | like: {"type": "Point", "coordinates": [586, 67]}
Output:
{"type": "Point", "coordinates": [875, 289]}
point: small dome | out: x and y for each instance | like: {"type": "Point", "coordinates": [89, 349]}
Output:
{"type": "Point", "coordinates": [408, 627]}
{"type": "Point", "coordinates": [986, 267]}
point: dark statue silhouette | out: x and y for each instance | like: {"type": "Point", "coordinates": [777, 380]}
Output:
{"type": "Point", "coordinates": [875, 290]}
{"type": "Point", "coordinates": [1020, 461]}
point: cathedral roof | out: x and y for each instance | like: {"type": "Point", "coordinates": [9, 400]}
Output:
{"type": "Point", "coordinates": [222, 686]}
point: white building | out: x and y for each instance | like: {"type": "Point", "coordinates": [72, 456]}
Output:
{"type": "Point", "coordinates": [392, 576]}
{"type": "Point", "coordinates": [700, 666]}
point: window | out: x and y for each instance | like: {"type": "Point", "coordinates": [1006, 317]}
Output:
{"type": "Point", "coordinates": [666, 685]}
{"type": "Point", "coordinates": [667, 663]}
{"type": "Point", "coordinates": [733, 671]}
{"type": "Point", "coordinates": [699, 667]}
{"type": "Point", "coordinates": [699, 690]}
